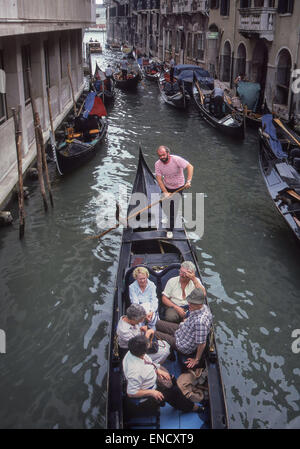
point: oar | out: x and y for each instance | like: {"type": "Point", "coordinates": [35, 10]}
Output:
{"type": "Point", "coordinates": [135, 214]}
{"type": "Point", "coordinates": [279, 122]}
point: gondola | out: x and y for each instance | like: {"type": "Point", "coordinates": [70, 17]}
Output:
{"type": "Point", "coordinates": [132, 81]}
{"type": "Point", "coordinates": [252, 119]}
{"type": "Point", "coordinates": [278, 163]}
{"type": "Point", "coordinates": [81, 138]}
{"type": "Point", "coordinates": [104, 87]}
{"type": "Point", "coordinates": [231, 124]}
{"type": "Point", "coordinates": [161, 251]}
{"type": "Point", "coordinates": [178, 98]}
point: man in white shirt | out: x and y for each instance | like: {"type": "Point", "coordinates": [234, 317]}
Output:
{"type": "Point", "coordinates": [176, 291]}
{"type": "Point", "coordinates": [145, 380]}
{"type": "Point", "coordinates": [109, 76]}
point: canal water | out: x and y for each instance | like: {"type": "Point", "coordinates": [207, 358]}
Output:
{"type": "Point", "coordinates": [57, 285]}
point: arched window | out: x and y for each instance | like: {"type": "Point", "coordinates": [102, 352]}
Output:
{"type": "Point", "coordinates": [283, 75]}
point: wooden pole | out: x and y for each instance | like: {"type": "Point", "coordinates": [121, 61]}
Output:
{"type": "Point", "coordinates": [70, 79]}
{"type": "Point", "coordinates": [39, 158]}
{"type": "Point", "coordinates": [18, 136]}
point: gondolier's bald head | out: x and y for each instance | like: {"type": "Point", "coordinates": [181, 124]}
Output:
{"type": "Point", "coordinates": [163, 153]}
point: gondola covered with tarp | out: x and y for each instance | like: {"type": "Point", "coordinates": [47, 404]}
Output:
{"type": "Point", "coordinates": [279, 160]}
{"type": "Point", "coordinates": [146, 242]}
{"type": "Point", "coordinates": [81, 138]}
{"type": "Point", "coordinates": [188, 72]}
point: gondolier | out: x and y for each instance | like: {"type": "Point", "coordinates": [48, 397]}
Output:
{"type": "Point", "coordinates": [169, 171]}
{"type": "Point", "coordinates": [124, 68]}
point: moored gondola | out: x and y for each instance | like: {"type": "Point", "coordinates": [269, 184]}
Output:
{"type": "Point", "coordinates": [174, 93]}
{"type": "Point", "coordinates": [279, 162]}
{"type": "Point", "coordinates": [83, 135]}
{"type": "Point", "coordinates": [230, 124]}
{"type": "Point", "coordinates": [151, 245]}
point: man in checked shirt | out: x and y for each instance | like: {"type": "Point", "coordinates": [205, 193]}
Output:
{"type": "Point", "coordinates": [189, 337]}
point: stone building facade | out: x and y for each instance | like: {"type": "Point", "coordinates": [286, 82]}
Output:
{"type": "Point", "coordinates": [46, 36]}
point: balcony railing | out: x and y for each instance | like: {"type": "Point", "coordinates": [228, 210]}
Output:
{"type": "Point", "coordinates": [257, 21]}
{"type": "Point", "coordinates": [189, 6]}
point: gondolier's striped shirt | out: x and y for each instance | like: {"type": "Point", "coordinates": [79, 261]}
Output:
{"type": "Point", "coordinates": [194, 330]}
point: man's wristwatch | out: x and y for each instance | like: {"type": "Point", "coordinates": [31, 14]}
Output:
{"type": "Point", "coordinates": [189, 181]}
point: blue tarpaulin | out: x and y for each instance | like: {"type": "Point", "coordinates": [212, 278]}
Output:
{"type": "Point", "coordinates": [249, 94]}
{"type": "Point", "coordinates": [185, 72]}
{"type": "Point", "coordinates": [269, 128]}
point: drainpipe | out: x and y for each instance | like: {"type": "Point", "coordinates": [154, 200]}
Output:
{"type": "Point", "coordinates": [295, 67]}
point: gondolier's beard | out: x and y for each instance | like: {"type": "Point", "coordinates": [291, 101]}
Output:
{"type": "Point", "coordinates": [164, 159]}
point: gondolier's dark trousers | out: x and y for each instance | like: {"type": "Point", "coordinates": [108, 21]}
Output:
{"type": "Point", "coordinates": [218, 103]}
{"type": "Point", "coordinates": [124, 74]}
{"type": "Point", "coordinates": [170, 208]}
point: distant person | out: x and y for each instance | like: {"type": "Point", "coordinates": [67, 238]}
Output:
{"type": "Point", "coordinates": [172, 65]}
{"type": "Point", "coordinates": [217, 96]}
{"type": "Point", "coordinates": [109, 76]}
{"type": "Point", "coordinates": [124, 67]}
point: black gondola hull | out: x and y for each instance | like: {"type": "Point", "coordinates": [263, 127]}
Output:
{"type": "Point", "coordinates": [144, 247]}
{"type": "Point", "coordinates": [277, 186]}
{"type": "Point", "coordinates": [73, 155]}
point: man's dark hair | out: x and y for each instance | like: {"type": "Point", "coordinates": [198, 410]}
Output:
{"type": "Point", "coordinates": [138, 345]}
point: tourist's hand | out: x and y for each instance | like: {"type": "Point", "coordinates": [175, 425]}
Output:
{"type": "Point", "coordinates": [163, 374]}
{"type": "Point", "coordinates": [149, 333]}
{"type": "Point", "coordinates": [144, 329]}
{"type": "Point", "coordinates": [149, 316]}
{"type": "Point", "coordinates": [190, 363]}
{"type": "Point", "coordinates": [190, 275]}
{"type": "Point", "coordinates": [157, 395]}
{"type": "Point", "coordinates": [181, 312]}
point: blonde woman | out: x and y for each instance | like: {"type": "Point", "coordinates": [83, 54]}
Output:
{"type": "Point", "coordinates": [143, 291]}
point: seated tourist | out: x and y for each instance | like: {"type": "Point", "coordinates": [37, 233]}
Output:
{"type": "Point", "coordinates": [176, 291]}
{"type": "Point", "coordinates": [148, 383]}
{"type": "Point", "coordinates": [143, 291]}
{"type": "Point", "coordinates": [189, 337]}
{"type": "Point", "coordinates": [130, 325]}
